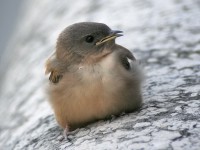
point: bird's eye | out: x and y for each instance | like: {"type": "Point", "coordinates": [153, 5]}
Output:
{"type": "Point", "coordinates": [89, 39]}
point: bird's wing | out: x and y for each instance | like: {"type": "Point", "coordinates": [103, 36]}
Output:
{"type": "Point", "coordinates": [125, 57]}
{"type": "Point", "coordinates": [130, 64]}
{"type": "Point", "coordinates": [126, 62]}
{"type": "Point", "coordinates": [52, 69]}
{"type": "Point", "coordinates": [48, 63]}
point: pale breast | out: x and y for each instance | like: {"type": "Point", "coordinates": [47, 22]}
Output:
{"type": "Point", "coordinates": [98, 70]}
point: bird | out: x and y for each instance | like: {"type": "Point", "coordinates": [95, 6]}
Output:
{"type": "Point", "coordinates": [91, 77]}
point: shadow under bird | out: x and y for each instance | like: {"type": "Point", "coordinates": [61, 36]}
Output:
{"type": "Point", "coordinates": [91, 77]}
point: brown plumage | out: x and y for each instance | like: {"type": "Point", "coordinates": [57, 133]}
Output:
{"type": "Point", "coordinates": [91, 77]}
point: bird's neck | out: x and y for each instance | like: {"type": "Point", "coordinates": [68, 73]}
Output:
{"type": "Point", "coordinates": [95, 58]}
{"type": "Point", "coordinates": [68, 58]}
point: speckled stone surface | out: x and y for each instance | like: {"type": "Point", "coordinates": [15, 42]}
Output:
{"type": "Point", "coordinates": [163, 35]}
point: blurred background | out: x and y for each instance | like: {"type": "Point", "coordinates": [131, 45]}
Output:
{"type": "Point", "coordinates": [9, 18]}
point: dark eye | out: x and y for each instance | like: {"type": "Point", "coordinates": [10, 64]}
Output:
{"type": "Point", "coordinates": [89, 39]}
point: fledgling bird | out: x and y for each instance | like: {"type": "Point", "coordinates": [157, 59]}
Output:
{"type": "Point", "coordinates": [91, 77]}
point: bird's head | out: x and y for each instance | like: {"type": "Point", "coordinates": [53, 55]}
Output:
{"type": "Point", "coordinates": [85, 39]}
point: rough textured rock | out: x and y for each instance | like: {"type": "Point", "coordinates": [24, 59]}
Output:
{"type": "Point", "coordinates": [164, 35]}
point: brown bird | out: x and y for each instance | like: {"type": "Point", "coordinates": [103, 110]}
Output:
{"type": "Point", "coordinates": [91, 77]}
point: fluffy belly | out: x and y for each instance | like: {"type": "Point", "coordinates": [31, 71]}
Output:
{"type": "Point", "coordinates": [93, 93]}
{"type": "Point", "coordinates": [82, 104]}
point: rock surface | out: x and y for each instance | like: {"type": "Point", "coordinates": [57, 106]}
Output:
{"type": "Point", "coordinates": [164, 35]}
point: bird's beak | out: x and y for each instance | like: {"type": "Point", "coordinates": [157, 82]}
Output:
{"type": "Point", "coordinates": [113, 34]}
